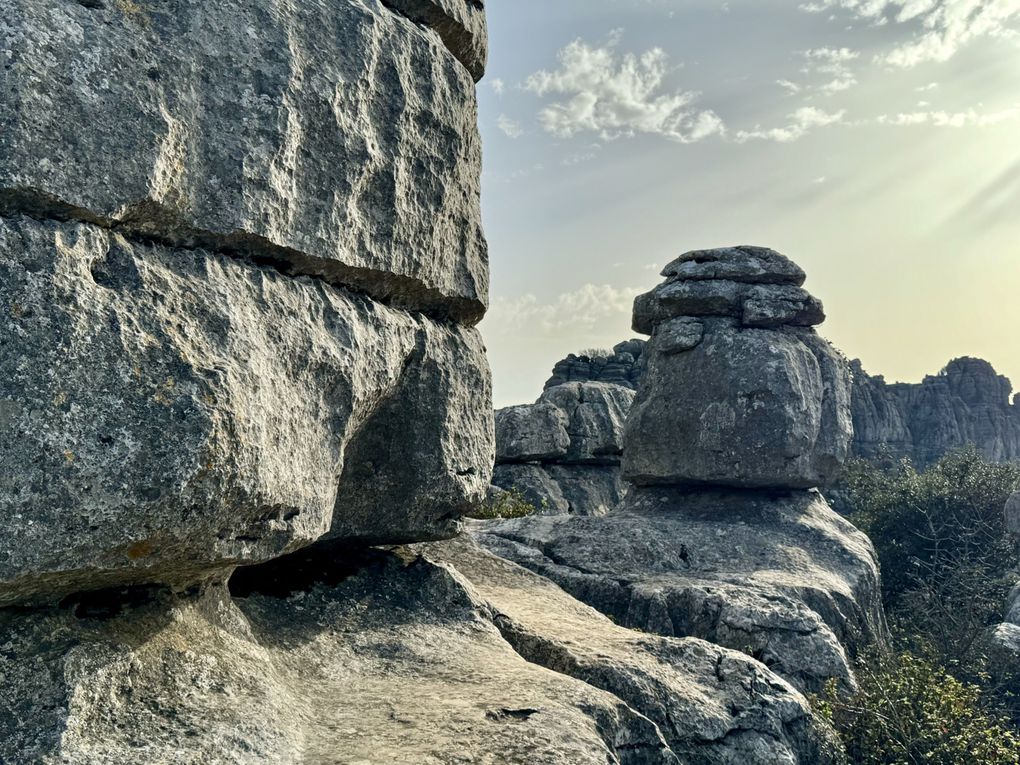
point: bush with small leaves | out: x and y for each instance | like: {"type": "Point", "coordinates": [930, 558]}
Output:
{"type": "Point", "coordinates": [505, 504]}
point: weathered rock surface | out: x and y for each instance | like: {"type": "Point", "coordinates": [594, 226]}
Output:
{"type": "Point", "coordinates": [713, 706]}
{"type": "Point", "coordinates": [780, 577]}
{"type": "Point", "coordinates": [557, 489]}
{"type": "Point", "coordinates": [968, 403]}
{"type": "Point", "coordinates": [744, 408]}
{"type": "Point", "coordinates": [337, 139]}
{"type": "Point", "coordinates": [445, 657]}
{"type": "Point", "coordinates": [621, 367]}
{"type": "Point", "coordinates": [750, 265]}
{"type": "Point", "coordinates": [397, 664]}
{"type": "Point", "coordinates": [562, 453]}
{"type": "Point", "coordinates": [459, 23]}
{"type": "Point", "coordinates": [167, 413]}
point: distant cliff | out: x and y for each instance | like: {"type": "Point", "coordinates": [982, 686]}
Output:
{"type": "Point", "coordinates": [966, 403]}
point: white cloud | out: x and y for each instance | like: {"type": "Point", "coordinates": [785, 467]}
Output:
{"type": "Point", "coordinates": [613, 95]}
{"type": "Point", "coordinates": [969, 118]}
{"type": "Point", "coordinates": [498, 86]}
{"type": "Point", "coordinates": [581, 310]}
{"type": "Point", "coordinates": [941, 27]}
{"type": "Point", "coordinates": [800, 123]}
{"type": "Point", "coordinates": [790, 87]}
{"type": "Point", "coordinates": [511, 128]}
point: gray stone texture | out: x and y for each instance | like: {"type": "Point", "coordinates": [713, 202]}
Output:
{"type": "Point", "coordinates": [170, 413]}
{"type": "Point", "coordinates": [750, 265]}
{"type": "Point", "coordinates": [459, 23]}
{"type": "Point", "coordinates": [778, 576]}
{"type": "Point", "coordinates": [563, 489]}
{"type": "Point", "coordinates": [531, 433]}
{"type": "Point", "coordinates": [336, 138]}
{"type": "Point", "coordinates": [439, 655]}
{"type": "Point", "coordinates": [623, 366]}
{"type": "Point", "coordinates": [966, 404]}
{"type": "Point", "coordinates": [746, 408]}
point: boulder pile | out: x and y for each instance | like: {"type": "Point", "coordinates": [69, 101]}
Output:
{"type": "Point", "coordinates": [742, 410]}
{"type": "Point", "coordinates": [562, 453]}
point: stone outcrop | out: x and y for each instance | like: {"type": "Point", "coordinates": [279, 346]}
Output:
{"type": "Point", "coordinates": [967, 404]}
{"type": "Point", "coordinates": [742, 409]}
{"type": "Point", "coordinates": [562, 453]}
{"type": "Point", "coordinates": [242, 259]}
{"type": "Point", "coordinates": [336, 139]}
{"type": "Point", "coordinates": [621, 367]}
{"type": "Point", "coordinates": [513, 670]}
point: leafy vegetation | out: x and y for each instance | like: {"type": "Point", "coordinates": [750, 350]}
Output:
{"type": "Point", "coordinates": [595, 353]}
{"type": "Point", "coordinates": [947, 566]}
{"type": "Point", "coordinates": [507, 504]}
{"type": "Point", "coordinates": [909, 711]}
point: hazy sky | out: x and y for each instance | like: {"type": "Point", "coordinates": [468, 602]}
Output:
{"type": "Point", "coordinates": [876, 142]}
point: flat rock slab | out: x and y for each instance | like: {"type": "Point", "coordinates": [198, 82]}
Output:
{"type": "Point", "coordinates": [439, 655]}
{"type": "Point", "coordinates": [747, 264]}
{"type": "Point", "coordinates": [166, 414]}
{"type": "Point", "coordinates": [783, 579]}
{"type": "Point", "coordinates": [399, 664]}
{"type": "Point", "coordinates": [714, 706]}
{"type": "Point", "coordinates": [337, 137]}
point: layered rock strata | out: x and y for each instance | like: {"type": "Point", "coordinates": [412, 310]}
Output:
{"type": "Point", "coordinates": [241, 260]}
{"type": "Point", "coordinates": [563, 452]}
{"type": "Point", "coordinates": [513, 670]}
{"type": "Point", "coordinates": [967, 404]}
{"type": "Point", "coordinates": [720, 535]}
{"type": "Point", "coordinates": [621, 367]}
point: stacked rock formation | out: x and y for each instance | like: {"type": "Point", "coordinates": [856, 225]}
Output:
{"type": "Point", "coordinates": [563, 452]}
{"type": "Point", "coordinates": [621, 367]}
{"type": "Point", "coordinates": [967, 404]}
{"type": "Point", "coordinates": [742, 410]}
{"type": "Point", "coordinates": [242, 263]}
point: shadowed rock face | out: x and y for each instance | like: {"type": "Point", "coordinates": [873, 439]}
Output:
{"type": "Point", "coordinates": [966, 404]}
{"type": "Point", "coordinates": [562, 453]}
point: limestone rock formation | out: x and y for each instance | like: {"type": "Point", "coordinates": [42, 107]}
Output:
{"type": "Point", "coordinates": [720, 535]}
{"type": "Point", "coordinates": [781, 577]}
{"type": "Point", "coordinates": [174, 411]}
{"type": "Point", "coordinates": [725, 400]}
{"type": "Point", "coordinates": [514, 671]}
{"type": "Point", "coordinates": [968, 403]}
{"type": "Point", "coordinates": [563, 452]}
{"type": "Point", "coordinates": [242, 257]}
{"type": "Point", "coordinates": [337, 139]}
{"type": "Point", "coordinates": [621, 367]}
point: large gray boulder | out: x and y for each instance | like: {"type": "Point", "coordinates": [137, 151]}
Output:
{"type": "Point", "coordinates": [746, 264]}
{"type": "Point", "coordinates": [563, 489]}
{"type": "Point", "coordinates": [778, 576]}
{"type": "Point", "coordinates": [336, 138]}
{"type": "Point", "coordinates": [440, 655]}
{"type": "Point", "coordinates": [749, 408]}
{"type": "Point", "coordinates": [168, 414]}
{"type": "Point", "coordinates": [596, 414]}
{"type": "Point", "coordinates": [532, 433]}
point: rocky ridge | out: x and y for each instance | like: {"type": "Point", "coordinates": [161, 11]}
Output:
{"type": "Point", "coordinates": [742, 409]}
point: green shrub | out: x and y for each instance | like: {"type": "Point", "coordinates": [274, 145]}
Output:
{"type": "Point", "coordinates": [910, 712]}
{"type": "Point", "coordinates": [507, 504]}
{"type": "Point", "coordinates": [947, 560]}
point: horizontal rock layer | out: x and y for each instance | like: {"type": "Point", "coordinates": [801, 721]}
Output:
{"type": "Point", "coordinates": [459, 23]}
{"type": "Point", "coordinates": [621, 367]}
{"type": "Point", "coordinates": [563, 489]}
{"type": "Point", "coordinates": [436, 658]}
{"type": "Point", "coordinates": [168, 413]}
{"type": "Point", "coordinates": [781, 577]}
{"type": "Point", "coordinates": [337, 139]}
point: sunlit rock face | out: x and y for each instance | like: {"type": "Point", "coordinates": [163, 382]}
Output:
{"type": "Point", "coordinates": [241, 260]}
{"type": "Point", "coordinates": [967, 404]}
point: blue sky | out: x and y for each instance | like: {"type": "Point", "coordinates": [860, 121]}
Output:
{"type": "Point", "coordinates": [876, 142]}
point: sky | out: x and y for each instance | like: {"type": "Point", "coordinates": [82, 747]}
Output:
{"type": "Point", "coordinates": [875, 142]}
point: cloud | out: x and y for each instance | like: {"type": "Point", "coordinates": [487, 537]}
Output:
{"type": "Point", "coordinates": [800, 123]}
{"type": "Point", "coordinates": [580, 310]}
{"type": "Point", "coordinates": [830, 64]}
{"type": "Point", "coordinates": [511, 128]}
{"type": "Point", "coordinates": [498, 86]}
{"type": "Point", "coordinates": [613, 95]}
{"type": "Point", "coordinates": [942, 27]}
{"type": "Point", "coordinates": [969, 118]}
